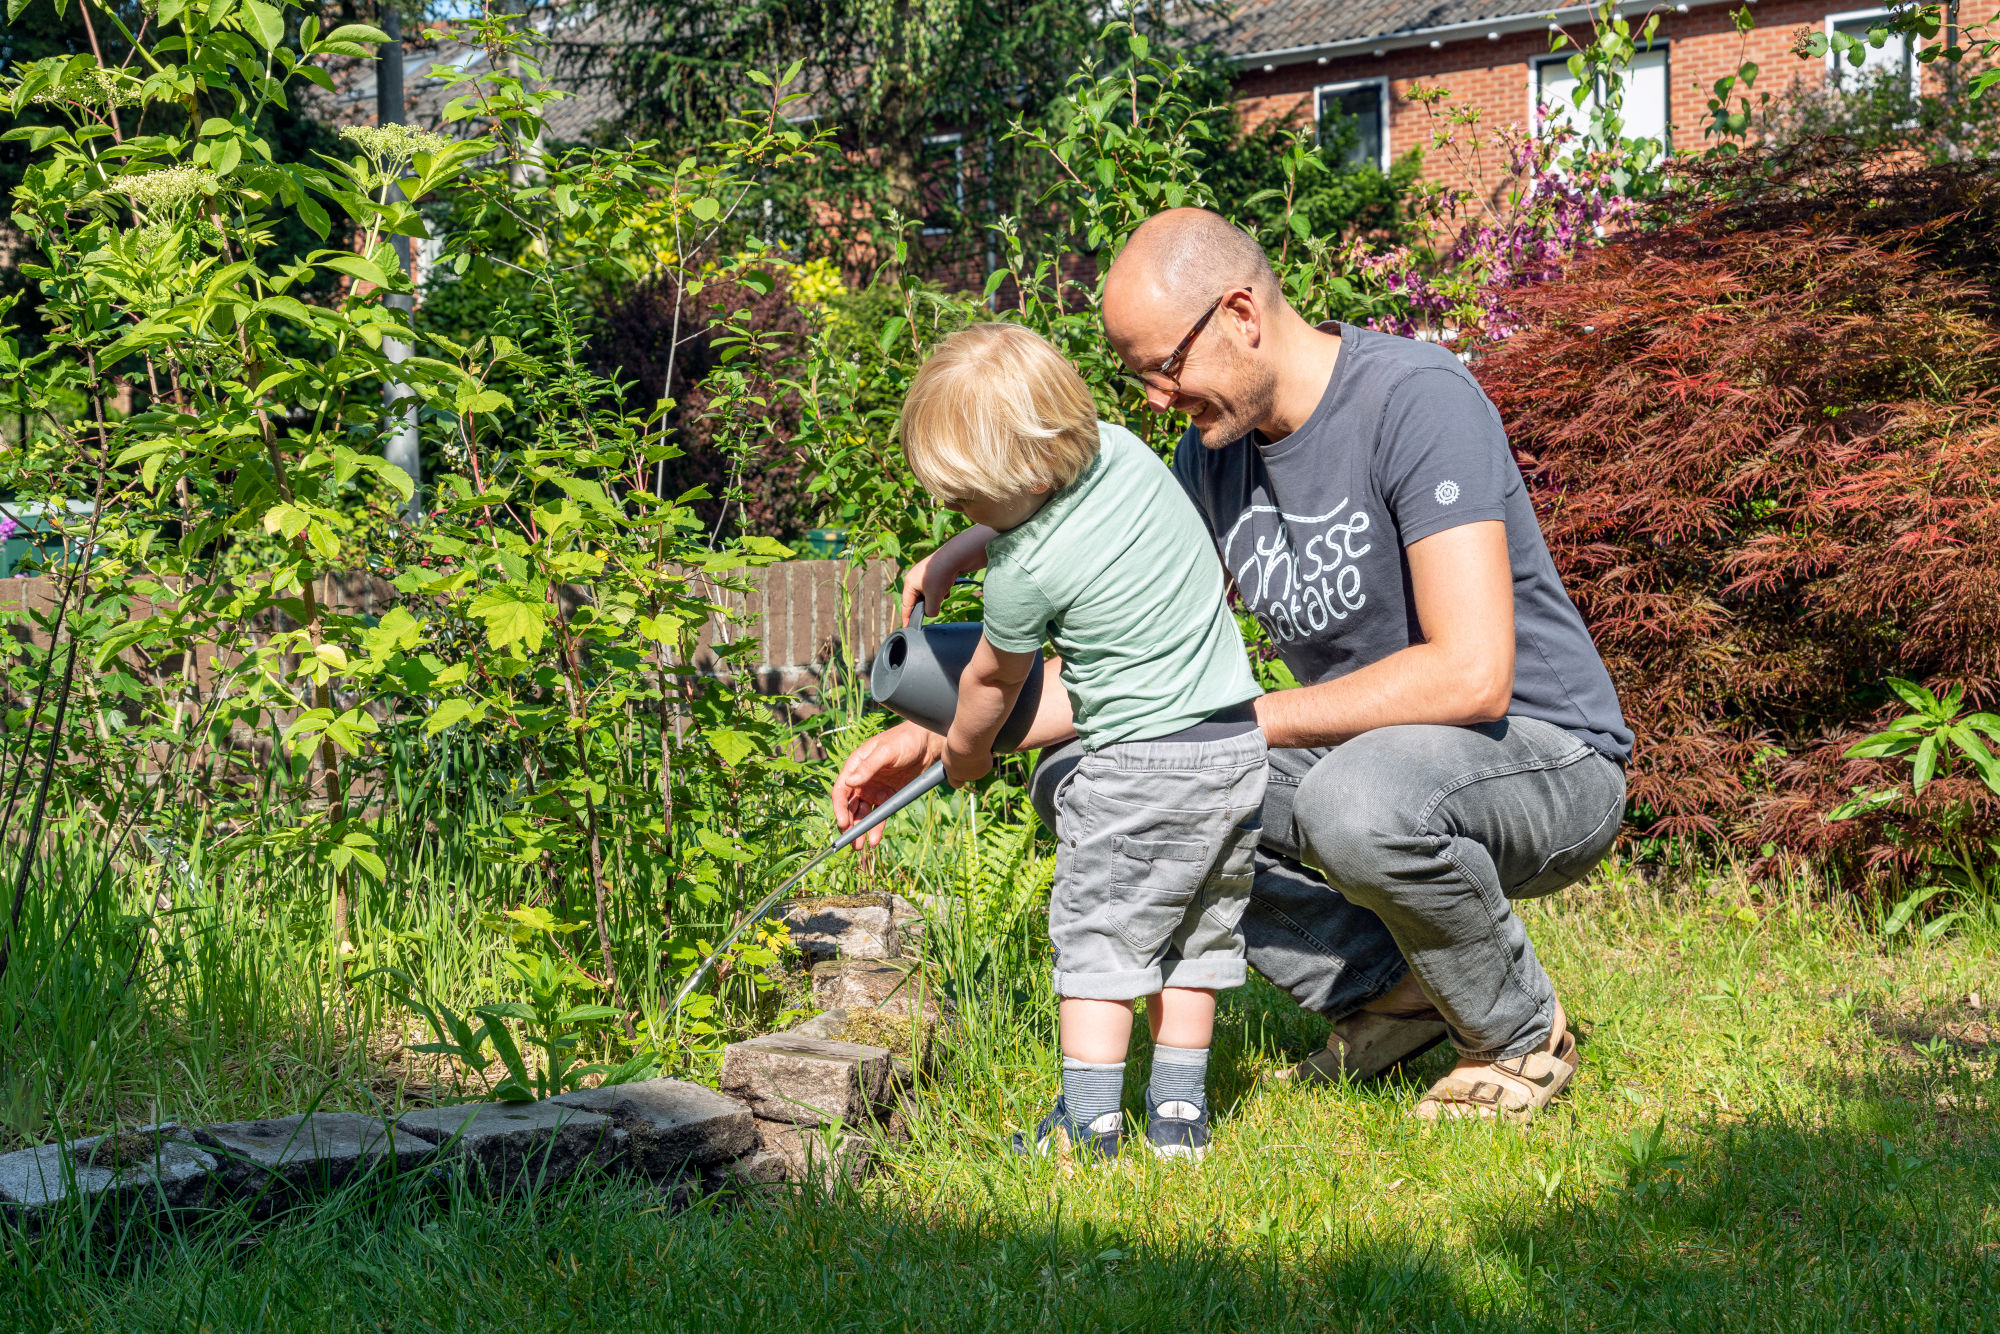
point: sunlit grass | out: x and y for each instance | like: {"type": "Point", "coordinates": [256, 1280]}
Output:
{"type": "Point", "coordinates": [1828, 1157]}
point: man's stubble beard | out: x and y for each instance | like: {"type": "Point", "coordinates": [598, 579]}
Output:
{"type": "Point", "coordinates": [1252, 398]}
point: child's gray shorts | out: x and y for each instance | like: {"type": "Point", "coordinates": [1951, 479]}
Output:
{"type": "Point", "coordinates": [1153, 866]}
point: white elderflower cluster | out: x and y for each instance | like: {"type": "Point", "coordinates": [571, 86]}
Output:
{"type": "Point", "coordinates": [96, 87]}
{"type": "Point", "coordinates": [168, 188]}
{"type": "Point", "coordinates": [390, 147]}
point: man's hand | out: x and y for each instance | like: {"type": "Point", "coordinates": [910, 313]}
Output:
{"type": "Point", "coordinates": [931, 577]}
{"type": "Point", "coordinates": [878, 768]}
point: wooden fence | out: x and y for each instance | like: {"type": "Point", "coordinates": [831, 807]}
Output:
{"type": "Point", "coordinates": [806, 616]}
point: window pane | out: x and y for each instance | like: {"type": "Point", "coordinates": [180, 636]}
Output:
{"type": "Point", "coordinates": [1351, 118]}
{"type": "Point", "coordinates": [1646, 96]}
{"type": "Point", "coordinates": [1556, 87]}
{"type": "Point", "coordinates": [1364, 107]}
{"type": "Point", "coordinates": [1646, 107]}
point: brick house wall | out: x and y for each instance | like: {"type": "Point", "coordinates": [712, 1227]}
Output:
{"type": "Point", "coordinates": [1496, 74]}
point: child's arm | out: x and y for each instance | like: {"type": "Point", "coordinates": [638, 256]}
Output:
{"type": "Point", "coordinates": [986, 695]}
{"type": "Point", "coordinates": [930, 578]}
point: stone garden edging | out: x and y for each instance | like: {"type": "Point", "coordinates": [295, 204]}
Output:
{"type": "Point", "coordinates": [808, 1105]}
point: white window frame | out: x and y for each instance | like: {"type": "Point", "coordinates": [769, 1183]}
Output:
{"type": "Point", "coordinates": [956, 141]}
{"type": "Point", "coordinates": [1381, 86]}
{"type": "Point", "coordinates": [1539, 63]}
{"type": "Point", "coordinates": [1833, 21]}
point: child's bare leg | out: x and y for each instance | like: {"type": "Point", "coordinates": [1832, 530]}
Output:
{"type": "Point", "coordinates": [1098, 1031]}
{"type": "Point", "coordinates": [1182, 1016]}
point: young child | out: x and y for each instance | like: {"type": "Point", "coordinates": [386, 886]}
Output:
{"type": "Point", "coordinates": [1090, 543]}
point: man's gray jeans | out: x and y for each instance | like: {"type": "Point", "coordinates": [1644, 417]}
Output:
{"type": "Point", "coordinates": [1422, 835]}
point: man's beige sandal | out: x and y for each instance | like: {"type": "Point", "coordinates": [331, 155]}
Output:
{"type": "Point", "coordinates": [1526, 1084]}
{"type": "Point", "coordinates": [1364, 1045]}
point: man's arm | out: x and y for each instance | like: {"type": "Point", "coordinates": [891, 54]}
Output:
{"type": "Point", "coordinates": [1462, 673]}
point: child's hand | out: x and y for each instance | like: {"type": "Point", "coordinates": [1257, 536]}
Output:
{"type": "Point", "coordinates": [965, 766]}
{"type": "Point", "coordinates": [913, 588]}
{"type": "Point", "coordinates": [930, 578]}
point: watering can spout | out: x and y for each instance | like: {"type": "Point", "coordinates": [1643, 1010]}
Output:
{"type": "Point", "coordinates": [916, 676]}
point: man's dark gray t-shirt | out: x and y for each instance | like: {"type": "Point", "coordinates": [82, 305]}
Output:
{"type": "Point", "coordinates": [1404, 444]}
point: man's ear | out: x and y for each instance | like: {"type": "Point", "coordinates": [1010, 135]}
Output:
{"type": "Point", "coordinates": [1247, 313]}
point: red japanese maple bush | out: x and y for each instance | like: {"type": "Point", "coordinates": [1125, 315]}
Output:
{"type": "Point", "coordinates": [1763, 434]}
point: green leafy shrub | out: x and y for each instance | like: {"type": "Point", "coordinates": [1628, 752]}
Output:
{"type": "Point", "coordinates": [199, 683]}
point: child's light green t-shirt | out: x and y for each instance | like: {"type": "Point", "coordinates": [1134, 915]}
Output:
{"type": "Point", "coordinates": [1119, 574]}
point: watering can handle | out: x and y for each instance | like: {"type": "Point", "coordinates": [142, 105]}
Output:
{"type": "Point", "coordinates": [917, 614]}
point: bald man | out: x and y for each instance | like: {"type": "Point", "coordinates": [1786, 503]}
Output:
{"type": "Point", "coordinates": [1458, 744]}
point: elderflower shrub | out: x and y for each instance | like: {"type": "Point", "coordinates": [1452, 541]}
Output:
{"type": "Point", "coordinates": [167, 189]}
{"type": "Point", "coordinates": [94, 89]}
{"type": "Point", "coordinates": [392, 147]}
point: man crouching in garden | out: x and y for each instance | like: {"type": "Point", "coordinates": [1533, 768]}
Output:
{"type": "Point", "coordinates": [1460, 745]}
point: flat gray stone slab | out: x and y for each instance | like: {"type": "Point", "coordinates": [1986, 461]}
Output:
{"type": "Point", "coordinates": [812, 1155]}
{"type": "Point", "coordinates": [892, 986]}
{"type": "Point", "coordinates": [159, 1166]}
{"type": "Point", "coordinates": [517, 1142]}
{"type": "Point", "coordinates": [316, 1152]}
{"type": "Point", "coordinates": [859, 928]}
{"type": "Point", "coordinates": [760, 1168]}
{"type": "Point", "coordinates": [806, 1081]}
{"type": "Point", "coordinates": [673, 1125]}
{"type": "Point", "coordinates": [912, 1042]}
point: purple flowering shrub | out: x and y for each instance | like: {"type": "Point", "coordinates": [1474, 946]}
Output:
{"type": "Point", "coordinates": [1535, 199]}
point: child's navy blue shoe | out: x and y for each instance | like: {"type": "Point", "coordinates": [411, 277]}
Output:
{"type": "Point", "coordinates": [1100, 1139]}
{"type": "Point", "coordinates": [1178, 1130]}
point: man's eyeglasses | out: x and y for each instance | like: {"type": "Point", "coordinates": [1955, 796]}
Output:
{"type": "Point", "coordinates": [1166, 377]}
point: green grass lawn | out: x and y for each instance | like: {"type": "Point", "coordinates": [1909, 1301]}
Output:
{"type": "Point", "coordinates": [1781, 1123]}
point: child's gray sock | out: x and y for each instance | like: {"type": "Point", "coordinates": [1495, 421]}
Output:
{"type": "Point", "coordinates": [1091, 1089]}
{"type": "Point", "coordinates": [1180, 1074]}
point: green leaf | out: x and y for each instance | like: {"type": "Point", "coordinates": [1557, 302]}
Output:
{"type": "Point", "coordinates": [265, 21]}
{"type": "Point", "coordinates": [448, 713]}
{"type": "Point", "coordinates": [1914, 695]}
{"type": "Point", "coordinates": [503, 1043]}
{"type": "Point", "coordinates": [757, 281]}
{"type": "Point", "coordinates": [892, 329]}
{"type": "Point", "coordinates": [733, 746]}
{"type": "Point", "coordinates": [356, 266]}
{"type": "Point", "coordinates": [483, 400]}
{"type": "Point", "coordinates": [510, 618]}
{"type": "Point", "coordinates": [1926, 764]}
{"type": "Point", "coordinates": [705, 208]}
{"type": "Point", "coordinates": [583, 1014]}
{"type": "Point", "coordinates": [356, 32]}
{"type": "Point", "coordinates": [715, 845]}
{"type": "Point", "coordinates": [1882, 743]}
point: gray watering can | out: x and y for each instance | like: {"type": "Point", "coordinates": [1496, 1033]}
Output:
{"type": "Point", "coordinates": [915, 675]}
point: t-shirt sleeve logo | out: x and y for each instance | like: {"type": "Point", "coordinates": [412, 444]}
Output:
{"type": "Point", "coordinates": [1446, 493]}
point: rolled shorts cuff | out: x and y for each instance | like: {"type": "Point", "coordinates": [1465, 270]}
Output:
{"type": "Point", "coordinates": [1108, 986]}
{"type": "Point", "coordinates": [1211, 974]}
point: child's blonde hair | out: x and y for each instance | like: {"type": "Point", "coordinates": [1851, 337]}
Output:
{"type": "Point", "coordinates": [996, 413]}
